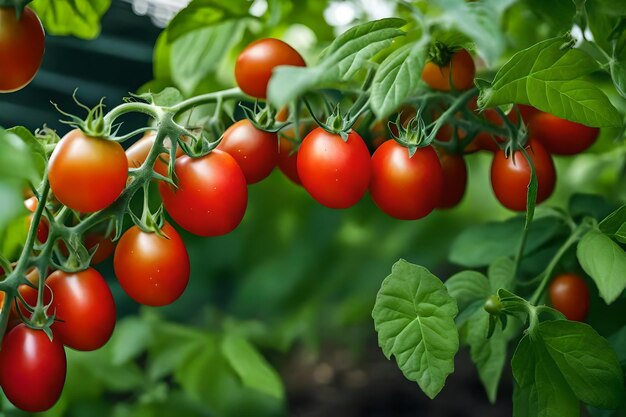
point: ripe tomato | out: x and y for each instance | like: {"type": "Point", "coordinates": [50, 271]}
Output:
{"type": "Point", "coordinates": [454, 179]}
{"type": "Point", "coordinates": [153, 270]}
{"type": "Point", "coordinates": [32, 369]}
{"type": "Point", "coordinates": [528, 112]}
{"type": "Point", "coordinates": [211, 197]}
{"type": "Point", "coordinates": [407, 188]}
{"type": "Point", "coordinates": [510, 177]}
{"type": "Point", "coordinates": [138, 152]}
{"type": "Point", "coordinates": [288, 160]}
{"type": "Point", "coordinates": [562, 137]}
{"type": "Point", "coordinates": [463, 70]}
{"type": "Point", "coordinates": [569, 294]}
{"type": "Point", "coordinates": [87, 174]}
{"type": "Point", "coordinates": [335, 172]}
{"type": "Point", "coordinates": [106, 246]}
{"type": "Point", "coordinates": [85, 309]}
{"type": "Point", "coordinates": [255, 64]}
{"type": "Point", "coordinates": [21, 48]}
{"type": "Point", "coordinates": [255, 151]}
{"type": "Point", "coordinates": [43, 228]}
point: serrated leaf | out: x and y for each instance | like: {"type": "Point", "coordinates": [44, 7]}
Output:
{"type": "Point", "coordinates": [414, 317]}
{"type": "Point", "coordinates": [80, 18]}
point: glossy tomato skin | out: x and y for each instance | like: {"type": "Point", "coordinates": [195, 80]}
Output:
{"type": "Point", "coordinates": [562, 137]}
{"type": "Point", "coordinates": [407, 188]}
{"type": "Point", "coordinates": [85, 309]}
{"type": "Point", "coordinates": [510, 177]}
{"type": "Point", "coordinates": [255, 150]}
{"type": "Point", "coordinates": [570, 295]}
{"type": "Point", "coordinates": [211, 197]}
{"type": "Point", "coordinates": [21, 48]}
{"type": "Point", "coordinates": [32, 369]}
{"type": "Point", "coordinates": [335, 172]}
{"type": "Point", "coordinates": [288, 160]}
{"type": "Point", "coordinates": [43, 228]}
{"type": "Point", "coordinates": [153, 270]}
{"type": "Point", "coordinates": [463, 71]}
{"type": "Point", "coordinates": [454, 179]}
{"type": "Point", "coordinates": [87, 174]}
{"type": "Point", "coordinates": [255, 64]}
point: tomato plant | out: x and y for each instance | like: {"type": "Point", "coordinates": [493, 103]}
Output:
{"type": "Point", "coordinates": [455, 70]}
{"type": "Point", "coordinates": [569, 294]}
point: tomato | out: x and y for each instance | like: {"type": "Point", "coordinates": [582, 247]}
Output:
{"type": "Point", "coordinates": [335, 172]}
{"type": "Point", "coordinates": [211, 197]}
{"type": "Point", "coordinates": [528, 113]}
{"type": "Point", "coordinates": [106, 246]}
{"type": "Point", "coordinates": [255, 151]}
{"type": "Point", "coordinates": [510, 176]}
{"type": "Point", "coordinates": [43, 228]}
{"type": "Point", "coordinates": [288, 160]}
{"type": "Point", "coordinates": [255, 64]}
{"type": "Point", "coordinates": [569, 294]}
{"type": "Point", "coordinates": [21, 48]}
{"type": "Point", "coordinates": [138, 152]}
{"type": "Point", "coordinates": [87, 174]}
{"type": "Point", "coordinates": [32, 369]}
{"type": "Point", "coordinates": [85, 309]}
{"type": "Point", "coordinates": [14, 318]}
{"type": "Point", "coordinates": [562, 137]}
{"type": "Point", "coordinates": [454, 179]}
{"type": "Point", "coordinates": [463, 70]}
{"type": "Point", "coordinates": [407, 188]}
{"type": "Point", "coordinates": [152, 269]}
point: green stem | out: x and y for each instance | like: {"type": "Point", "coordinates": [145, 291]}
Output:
{"type": "Point", "coordinates": [233, 93]}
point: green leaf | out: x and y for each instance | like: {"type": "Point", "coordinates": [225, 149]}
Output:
{"type": "Point", "coordinates": [612, 223]}
{"type": "Point", "coordinates": [605, 262]}
{"type": "Point", "coordinates": [397, 78]}
{"type": "Point", "coordinates": [467, 287]}
{"type": "Point", "coordinates": [548, 76]}
{"type": "Point", "coordinates": [80, 18]}
{"type": "Point", "coordinates": [37, 150]}
{"type": "Point", "coordinates": [255, 372]}
{"type": "Point", "coordinates": [618, 341]}
{"type": "Point", "coordinates": [345, 57]}
{"type": "Point", "coordinates": [414, 318]}
{"type": "Point", "coordinates": [132, 337]}
{"type": "Point", "coordinates": [501, 274]}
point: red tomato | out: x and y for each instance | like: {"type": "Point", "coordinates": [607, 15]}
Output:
{"type": "Point", "coordinates": [255, 64]}
{"type": "Point", "coordinates": [569, 294]}
{"type": "Point", "coordinates": [21, 48]}
{"type": "Point", "coordinates": [255, 151]}
{"type": "Point", "coordinates": [106, 246]}
{"type": "Point", "coordinates": [528, 112]}
{"type": "Point", "coordinates": [14, 318]}
{"type": "Point", "coordinates": [288, 160]}
{"type": "Point", "coordinates": [454, 179]}
{"type": "Point", "coordinates": [510, 177]}
{"type": "Point", "coordinates": [32, 369]}
{"type": "Point", "coordinates": [211, 197]}
{"type": "Point", "coordinates": [463, 70]}
{"type": "Point", "coordinates": [562, 137]}
{"type": "Point", "coordinates": [407, 188]}
{"type": "Point", "coordinates": [43, 228]}
{"type": "Point", "coordinates": [335, 172]}
{"type": "Point", "coordinates": [87, 174]}
{"type": "Point", "coordinates": [85, 309]}
{"type": "Point", "coordinates": [153, 270]}
{"type": "Point", "coordinates": [138, 152]}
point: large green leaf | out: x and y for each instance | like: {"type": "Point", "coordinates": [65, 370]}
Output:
{"type": "Point", "coordinates": [80, 18]}
{"type": "Point", "coordinates": [414, 318]}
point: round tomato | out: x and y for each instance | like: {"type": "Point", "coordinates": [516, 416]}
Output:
{"type": "Point", "coordinates": [463, 70]}
{"type": "Point", "coordinates": [211, 197]}
{"type": "Point", "coordinates": [106, 246]}
{"type": "Point", "coordinates": [406, 187]}
{"type": "Point", "coordinates": [43, 228]}
{"type": "Point", "coordinates": [562, 137]}
{"type": "Point", "coordinates": [85, 309]}
{"type": "Point", "coordinates": [335, 172]}
{"type": "Point", "coordinates": [87, 174]}
{"type": "Point", "coordinates": [152, 269]}
{"type": "Point", "coordinates": [510, 176]}
{"type": "Point", "coordinates": [288, 160]}
{"type": "Point", "coordinates": [32, 369]}
{"type": "Point", "coordinates": [255, 151]}
{"type": "Point", "coordinates": [569, 294]}
{"type": "Point", "coordinates": [21, 48]}
{"type": "Point", "coordinates": [255, 64]}
{"type": "Point", "coordinates": [454, 179]}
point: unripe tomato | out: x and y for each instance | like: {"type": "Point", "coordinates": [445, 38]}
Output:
{"type": "Point", "coordinates": [152, 269]}
{"type": "Point", "coordinates": [404, 187]}
{"type": "Point", "coordinates": [21, 48]}
{"type": "Point", "coordinates": [288, 160]}
{"type": "Point", "coordinates": [255, 64]}
{"type": "Point", "coordinates": [463, 70]}
{"type": "Point", "coordinates": [87, 174]}
{"type": "Point", "coordinates": [43, 228]}
{"type": "Point", "coordinates": [335, 172]}
{"type": "Point", "coordinates": [510, 176]}
{"type": "Point", "coordinates": [562, 137]}
{"type": "Point", "coordinates": [84, 308]}
{"type": "Point", "coordinates": [32, 369]}
{"type": "Point", "coordinates": [454, 179]}
{"type": "Point", "coordinates": [211, 197]}
{"type": "Point", "coordinates": [255, 150]}
{"type": "Point", "coordinates": [570, 295]}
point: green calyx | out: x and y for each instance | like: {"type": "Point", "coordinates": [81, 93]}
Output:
{"type": "Point", "coordinates": [411, 134]}
{"type": "Point", "coordinates": [263, 118]}
{"type": "Point", "coordinates": [94, 124]}
{"type": "Point", "coordinates": [440, 54]}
